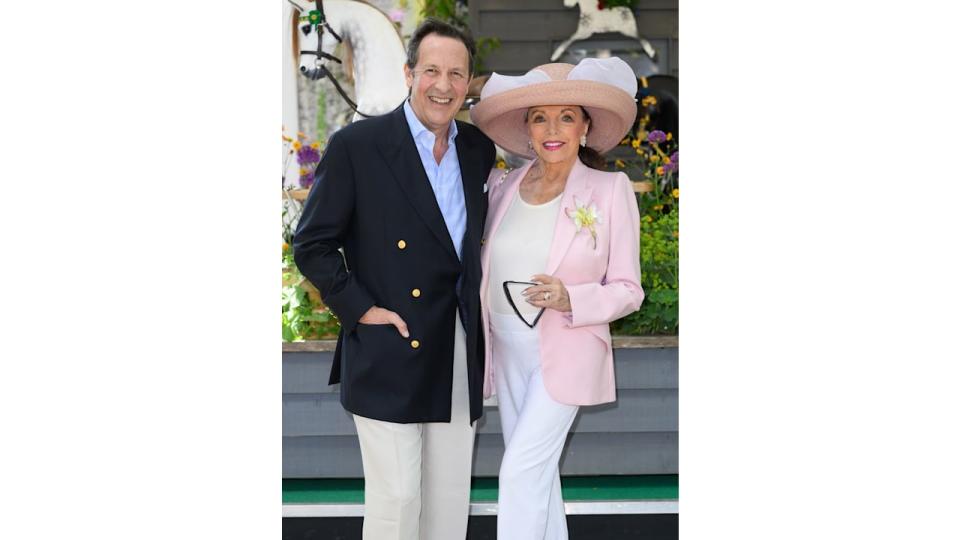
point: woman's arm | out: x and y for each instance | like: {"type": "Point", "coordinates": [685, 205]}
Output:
{"type": "Point", "coordinates": [620, 292]}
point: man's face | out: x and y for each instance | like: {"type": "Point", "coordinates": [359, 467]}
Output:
{"type": "Point", "coordinates": [438, 82]}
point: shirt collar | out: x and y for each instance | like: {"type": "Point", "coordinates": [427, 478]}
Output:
{"type": "Point", "coordinates": [417, 128]}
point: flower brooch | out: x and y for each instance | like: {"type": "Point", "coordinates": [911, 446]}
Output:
{"type": "Point", "coordinates": [585, 217]}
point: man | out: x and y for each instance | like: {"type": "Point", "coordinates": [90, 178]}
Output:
{"type": "Point", "coordinates": [403, 195]}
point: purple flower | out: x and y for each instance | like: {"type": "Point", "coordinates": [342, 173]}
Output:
{"type": "Point", "coordinates": [397, 15]}
{"type": "Point", "coordinates": [306, 180]}
{"type": "Point", "coordinates": [307, 154]}
{"type": "Point", "coordinates": [674, 162]}
{"type": "Point", "coordinates": [656, 136]}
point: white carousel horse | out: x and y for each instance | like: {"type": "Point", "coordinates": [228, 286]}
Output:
{"type": "Point", "coordinates": [377, 50]}
{"type": "Point", "coordinates": [594, 20]}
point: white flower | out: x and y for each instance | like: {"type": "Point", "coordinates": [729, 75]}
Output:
{"type": "Point", "coordinates": [585, 217]}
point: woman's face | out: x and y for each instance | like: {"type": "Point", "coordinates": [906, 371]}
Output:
{"type": "Point", "coordinates": [555, 131]}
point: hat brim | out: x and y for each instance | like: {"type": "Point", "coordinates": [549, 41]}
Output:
{"type": "Point", "coordinates": [612, 113]}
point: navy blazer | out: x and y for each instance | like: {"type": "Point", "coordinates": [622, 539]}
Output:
{"type": "Point", "coordinates": [371, 197]}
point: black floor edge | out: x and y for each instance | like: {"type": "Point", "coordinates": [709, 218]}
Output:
{"type": "Point", "coordinates": [610, 527]}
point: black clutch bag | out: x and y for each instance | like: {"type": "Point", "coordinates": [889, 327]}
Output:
{"type": "Point", "coordinates": [511, 288]}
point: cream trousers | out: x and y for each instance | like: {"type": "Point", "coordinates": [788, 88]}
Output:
{"type": "Point", "coordinates": [417, 476]}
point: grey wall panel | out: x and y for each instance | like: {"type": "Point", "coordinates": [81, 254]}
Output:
{"type": "Point", "coordinates": [657, 23]}
{"type": "Point", "coordinates": [584, 454]}
{"type": "Point", "coordinates": [516, 25]}
{"type": "Point", "coordinates": [514, 57]}
{"type": "Point", "coordinates": [646, 368]}
{"type": "Point", "coordinates": [634, 411]}
{"type": "Point", "coordinates": [307, 372]}
{"type": "Point", "coordinates": [635, 435]}
{"type": "Point", "coordinates": [515, 5]}
{"type": "Point", "coordinates": [321, 457]}
{"type": "Point", "coordinates": [316, 414]}
{"type": "Point", "coordinates": [620, 453]}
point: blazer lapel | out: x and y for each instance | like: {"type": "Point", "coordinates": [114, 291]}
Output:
{"type": "Point", "coordinates": [577, 189]}
{"type": "Point", "coordinates": [470, 178]}
{"type": "Point", "coordinates": [401, 150]}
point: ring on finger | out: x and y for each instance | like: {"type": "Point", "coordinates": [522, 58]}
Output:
{"type": "Point", "coordinates": [546, 296]}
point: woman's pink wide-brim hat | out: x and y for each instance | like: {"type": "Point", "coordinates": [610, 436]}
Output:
{"type": "Point", "coordinates": [605, 87]}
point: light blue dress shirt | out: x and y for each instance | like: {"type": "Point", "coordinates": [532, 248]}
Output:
{"type": "Point", "coordinates": [444, 178]}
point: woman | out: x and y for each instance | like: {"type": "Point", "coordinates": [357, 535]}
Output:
{"type": "Point", "coordinates": [571, 230]}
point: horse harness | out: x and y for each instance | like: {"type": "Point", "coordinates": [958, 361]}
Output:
{"type": "Point", "coordinates": [318, 20]}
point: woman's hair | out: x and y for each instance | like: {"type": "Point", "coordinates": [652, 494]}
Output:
{"type": "Point", "coordinates": [590, 157]}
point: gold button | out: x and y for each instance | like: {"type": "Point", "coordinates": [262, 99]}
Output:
{"type": "Point", "coordinates": [415, 344]}
{"type": "Point", "coordinates": [415, 293]}
{"type": "Point", "coordinates": [401, 244]}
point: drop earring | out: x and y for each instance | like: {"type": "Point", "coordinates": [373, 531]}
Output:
{"type": "Point", "coordinates": [529, 144]}
{"type": "Point", "coordinates": [583, 140]}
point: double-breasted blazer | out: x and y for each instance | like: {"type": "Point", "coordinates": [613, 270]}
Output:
{"type": "Point", "coordinates": [371, 197]}
{"type": "Point", "coordinates": [603, 281]}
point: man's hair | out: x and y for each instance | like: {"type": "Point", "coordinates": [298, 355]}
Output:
{"type": "Point", "coordinates": [440, 28]}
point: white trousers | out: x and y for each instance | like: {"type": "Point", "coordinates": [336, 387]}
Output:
{"type": "Point", "coordinates": [417, 476]}
{"type": "Point", "coordinates": [530, 504]}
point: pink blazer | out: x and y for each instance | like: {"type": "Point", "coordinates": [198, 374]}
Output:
{"type": "Point", "coordinates": [576, 355]}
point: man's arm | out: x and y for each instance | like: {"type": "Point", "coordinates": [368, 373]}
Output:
{"type": "Point", "coordinates": [324, 224]}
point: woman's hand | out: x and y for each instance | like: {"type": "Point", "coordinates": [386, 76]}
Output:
{"type": "Point", "coordinates": [550, 293]}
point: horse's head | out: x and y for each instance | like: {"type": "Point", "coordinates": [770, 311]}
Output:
{"type": "Point", "coordinates": [317, 39]}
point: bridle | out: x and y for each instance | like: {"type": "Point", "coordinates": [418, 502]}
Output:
{"type": "Point", "coordinates": [318, 20]}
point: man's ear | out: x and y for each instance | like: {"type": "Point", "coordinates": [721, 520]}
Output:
{"type": "Point", "coordinates": [408, 75]}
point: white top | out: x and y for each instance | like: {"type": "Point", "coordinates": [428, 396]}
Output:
{"type": "Point", "coordinates": [519, 249]}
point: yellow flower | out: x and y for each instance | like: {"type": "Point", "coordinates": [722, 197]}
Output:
{"type": "Point", "coordinates": [297, 145]}
{"type": "Point", "coordinates": [660, 169]}
{"type": "Point", "coordinates": [666, 161]}
{"type": "Point", "coordinates": [642, 135]}
{"type": "Point", "coordinates": [640, 151]}
{"type": "Point", "coordinates": [501, 164]}
{"type": "Point", "coordinates": [286, 246]}
{"type": "Point", "coordinates": [303, 171]}
{"type": "Point", "coordinates": [619, 163]}
{"type": "Point", "coordinates": [655, 158]}
{"type": "Point", "coordinates": [658, 207]}
{"type": "Point", "coordinates": [647, 218]}
{"type": "Point", "coordinates": [315, 145]}
{"type": "Point", "coordinates": [635, 143]}
{"type": "Point", "coordinates": [676, 193]}
{"type": "Point", "coordinates": [669, 136]}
